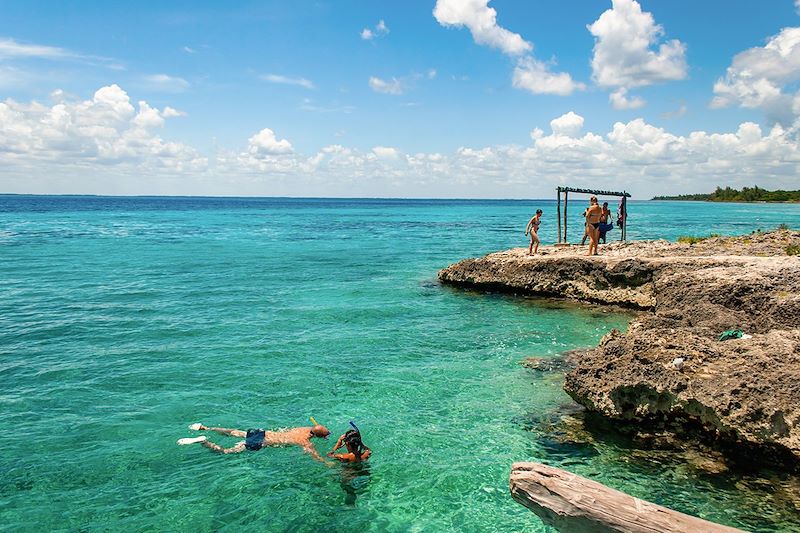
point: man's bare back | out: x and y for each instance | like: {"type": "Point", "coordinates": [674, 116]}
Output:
{"type": "Point", "coordinates": [256, 439]}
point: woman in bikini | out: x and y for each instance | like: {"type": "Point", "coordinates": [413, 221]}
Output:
{"type": "Point", "coordinates": [533, 229]}
{"type": "Point", "coordinates": [593, 215]}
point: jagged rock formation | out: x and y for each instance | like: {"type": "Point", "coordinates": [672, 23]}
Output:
{"type": "Point", "coordinates": [743, 392]}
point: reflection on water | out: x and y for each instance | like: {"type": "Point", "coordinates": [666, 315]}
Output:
{"type": "Point", "coordinates": [354, 480]}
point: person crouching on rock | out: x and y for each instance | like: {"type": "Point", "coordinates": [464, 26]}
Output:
{"type": "Point", "coordinates": [356, 451]}
{"type": "Point", "coordinates": [533, 229]}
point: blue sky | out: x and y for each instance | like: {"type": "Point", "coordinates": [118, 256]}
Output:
{"type": "Point", "coordinates": [459, 98]}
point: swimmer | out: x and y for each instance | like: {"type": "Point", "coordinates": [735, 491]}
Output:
{"type": "Point", "coordinates": [255, 439]}
{"type": "Point", "coordinates": [356, 451]}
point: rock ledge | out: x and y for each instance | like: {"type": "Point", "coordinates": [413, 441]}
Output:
{"type": "Point", "coordinates": [745, 393]}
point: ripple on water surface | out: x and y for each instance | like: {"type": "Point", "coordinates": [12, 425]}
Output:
{"type": "Point", "coordinates": [125, 321]}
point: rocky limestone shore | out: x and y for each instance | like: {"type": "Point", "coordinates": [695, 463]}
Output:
{"type": "Point", "coordinates": [742, 393]}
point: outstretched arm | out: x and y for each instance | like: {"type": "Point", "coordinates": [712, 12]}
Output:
{"type": "Point", "coordinates": [337, 446]}
{"type": "Point", "coordinates": [310, 450]}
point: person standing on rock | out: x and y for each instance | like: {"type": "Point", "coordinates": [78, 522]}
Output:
{"type": "Point", "coordinates": [533, 229]}
{"type": "Point", "coordinates": [593, 215]}
{"type": "Point", "coordinates": [604, 218]}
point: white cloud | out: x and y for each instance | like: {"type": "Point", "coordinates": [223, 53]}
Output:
{"type": "Point", "coordinates": [393, 86]}
{"type": "Point", "coordinates": [106, 130]}
{"type": "Point", "coordinates": [108, 144]}
{"type": "Point", "coordinates": [264, 143]}
{"type": "Point", "coordinates": [9, 48]}
{"type": "Point", "coordinates": [386, 152]}
{"type": "Point", "coordinates": [624, 54]}
{"type": "Point", "coordinates": [380, 30]}
{"type": "Point", "coordinates": [648, 159]}
{"type": "Point", "coordinates": [310, 105]}
{"type": "Point", "coordinates": [189, 50]}
{"type": "Point", "coordinates": [535, 76]}
{"type": "Point", "coordinates": [675, 114]}
{"type": "Point", "coordinates": [619, 99]}
{"type": "Point", "coordinates": [481, 20]}
{"type": "Point", "coordinates": [569, 125]}
{"type": "Point", "coordinates": [759, 77]}
{"type": "Point", "coordinates": [431, 73]}
{"type": "Point", "coordinates": [797, 6]}
{"type": "Point", "coordinates": [530, 74]}
{"type": "Point", "coordinates": [287, 80]}
{"type": "Point", "coordinates": [166, 83]}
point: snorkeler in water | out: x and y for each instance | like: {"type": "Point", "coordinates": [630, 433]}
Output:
{"type": "Point", "coordinates": [255, 439]}
{"type": "Point", "coordinates": [356, 450]}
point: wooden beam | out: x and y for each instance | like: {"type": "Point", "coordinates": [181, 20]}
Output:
{"type": "Point", "coordinates": [565, 216]}
{"type": "Point", "coordinates": [596, 192]}
{"type": "Point", "coordinates": [569, 502]}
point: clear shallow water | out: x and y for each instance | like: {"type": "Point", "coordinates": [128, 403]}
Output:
{"type": "Point", "coordinates": [124, 320]}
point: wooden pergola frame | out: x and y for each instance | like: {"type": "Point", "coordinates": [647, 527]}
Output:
{"type": "Point", "coordinates": [597, 192]}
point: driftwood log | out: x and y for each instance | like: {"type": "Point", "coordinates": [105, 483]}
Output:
{"type": "Point", "coordinates": [572, 503]}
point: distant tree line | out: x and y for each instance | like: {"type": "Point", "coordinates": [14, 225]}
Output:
{"type": "Point", "coordinates": [747, 194]}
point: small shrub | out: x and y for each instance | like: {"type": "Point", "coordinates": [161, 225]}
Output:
{"type": "Point", "coordinates": [694, 240]}
{"type": "Point", "coordinates": [793, 249]}
{"type": "Point", "coordinates": [783, 226]}
{"type": "Point", "coordinates": [691, 240]}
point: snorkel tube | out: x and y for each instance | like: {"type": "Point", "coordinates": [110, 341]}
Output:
{"type": "Point", "coordinates": [354, 426]}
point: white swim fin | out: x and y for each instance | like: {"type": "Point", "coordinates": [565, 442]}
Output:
{"type": "Point", "coordinates": [191, 440]}
{"type": "Point", "coordinates": [196, 427]}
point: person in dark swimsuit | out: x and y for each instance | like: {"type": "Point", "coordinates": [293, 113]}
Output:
{"type": "Point", "coordinates": [604, 225]}
{"type": "Point", "coordinates": [255, 439]}
{"type": "Point", "coordinates": [593, 215]}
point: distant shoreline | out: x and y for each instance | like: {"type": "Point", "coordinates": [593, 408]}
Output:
{"type": "Point", "coordinates": [679, 199]}
{"type": "Point", "coordinates": [747, 194]}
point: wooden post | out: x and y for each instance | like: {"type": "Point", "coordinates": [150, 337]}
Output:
{"type": "Point", "coordinates": [624, 218]}
{"type": "Point", "coordinates": [565, 216]}
{"type": "Point", "coordinates": [569, 502]}
{"type": "Point", "coordinates": [558, 213]}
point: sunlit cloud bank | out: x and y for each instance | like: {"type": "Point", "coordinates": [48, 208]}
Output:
{"type": "Point", "coordinates": [117, 147]}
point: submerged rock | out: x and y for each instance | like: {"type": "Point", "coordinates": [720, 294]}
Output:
{"type": "Point", "coordinates": [562, 363]}
{"type": "Point", "coordinates": [745, 393]}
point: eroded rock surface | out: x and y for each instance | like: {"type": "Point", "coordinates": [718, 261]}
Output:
{"type": "Point", "coordinates": [745, 392]}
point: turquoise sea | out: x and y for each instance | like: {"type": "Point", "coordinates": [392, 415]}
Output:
{"type": "Point", "coordinates": [123, 320]}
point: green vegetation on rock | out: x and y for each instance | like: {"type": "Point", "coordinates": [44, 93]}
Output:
{"type": "Point", "coordinates": [694, 240]}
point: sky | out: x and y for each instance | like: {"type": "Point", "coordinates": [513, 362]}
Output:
{"type": "Point", "coordinates": [436, 98]}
